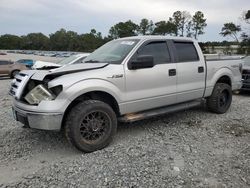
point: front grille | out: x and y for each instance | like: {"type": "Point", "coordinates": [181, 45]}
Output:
{"type": "Point", "coordinates": [18, 84]}
{"type": "Point", "coordinates": [246, 71]}
{"type": "Point", "coordinates": [246, 77]}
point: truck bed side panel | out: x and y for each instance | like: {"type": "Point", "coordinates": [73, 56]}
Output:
{"type": "Point", "coordinates": [217, 69]}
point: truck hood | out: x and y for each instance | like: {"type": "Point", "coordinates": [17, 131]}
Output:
{"type": "Point", "coordinates": [67, 69]}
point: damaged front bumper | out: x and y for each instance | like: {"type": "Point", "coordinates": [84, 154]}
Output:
{"type": "Point", "coordinates": [38, 120]}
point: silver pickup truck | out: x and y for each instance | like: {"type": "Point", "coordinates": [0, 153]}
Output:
{"type": "Point", "coordinates": [124, 80]}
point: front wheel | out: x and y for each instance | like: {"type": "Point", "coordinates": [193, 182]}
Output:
{"type": "Point", "coordinates": [221, 98]}
{"type": "Point", "coordinates": [91, 125]}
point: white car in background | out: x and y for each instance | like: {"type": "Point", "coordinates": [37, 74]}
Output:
{"type": "Point", "coordinates": [74, 59]}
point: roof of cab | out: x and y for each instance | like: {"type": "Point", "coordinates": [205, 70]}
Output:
{"type": "Point", "coordinates": [157, 37]}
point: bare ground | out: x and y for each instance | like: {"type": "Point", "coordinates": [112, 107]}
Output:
{"type": "Point", "coordinates": [193, 148]}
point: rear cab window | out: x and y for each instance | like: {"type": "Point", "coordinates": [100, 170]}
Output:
{"type": "Point", "coordinates": [186, 51]}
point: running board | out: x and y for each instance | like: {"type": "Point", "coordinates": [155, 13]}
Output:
{"type": "Point", "coordinates": [158, 111]}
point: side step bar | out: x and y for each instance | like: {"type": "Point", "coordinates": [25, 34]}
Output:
{"type": "Point", "coordinates": [159, 111]}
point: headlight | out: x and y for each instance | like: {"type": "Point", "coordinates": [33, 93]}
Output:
{"type": "Point", "coordinates": [38, 94]}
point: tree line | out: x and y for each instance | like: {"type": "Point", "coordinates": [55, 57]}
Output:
{"type": "Point", "coordinates": [233, 30]}
{"type": "Point", "coordinates": [181, 23]}
{"type": "Point", "coordinates": [61, 40]}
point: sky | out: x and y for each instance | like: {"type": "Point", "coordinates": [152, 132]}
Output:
{"type": "Point", "coordinates": [21, 17]}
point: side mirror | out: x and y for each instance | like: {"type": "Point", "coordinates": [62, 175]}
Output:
{"type": "Point", "coordinates": [142, 62]}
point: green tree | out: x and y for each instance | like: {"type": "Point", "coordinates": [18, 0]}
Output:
{"type": "Point", "coordinates": [72, 41]}
{"type": "Point", "coordinates": [245, 44]}
{"type": "Point", "coordinates": [64, 40]}
{"type": "Point", "coordinates": [35, 41]}
{"type": "Point", "coordinates": [230, 29]}
{"type": "Point", "coordinates": [180, 19]}
{"type": "Point", "coordinates": [247, 16]}
{"type": "Point", "coordinates": [88, 42]}
{"type": "Point", "coordinates": [189, 29]}
{"type": "Point", "coordinates": [123, 29]}
{"type": "Point", "coordinates": [198, 24]}
{"type": "Point", "coordinates": [59, 40]}
{"type": "Point", "coordinates": [164, 28]}
{"type": "Point", "coordinates": [10, 42]}
{"type": "Point", "coordinates": [146, 27]}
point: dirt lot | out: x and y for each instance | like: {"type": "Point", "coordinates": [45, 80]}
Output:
{"type": "Point", "coordinates": [192, 148]}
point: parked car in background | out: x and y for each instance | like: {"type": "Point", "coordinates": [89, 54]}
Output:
{"type": "Point", "coordinates": [246, 74]}
{"type": "Point", "coordinates": [11, 68]}
{"type": "Point", "coordinates": [27, 62]}
{"type": "Point", "coordinates": [74, 59]}
{"type": "Point", "coordinates": [3, 53]}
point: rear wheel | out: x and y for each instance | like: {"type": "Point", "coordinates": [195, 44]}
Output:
{"type": "Point", "coordinates": [221, 98]}
{"type": "Point", "coordinates": [91, 125]}
{"type": "Point", "coordinates": [14, 73]}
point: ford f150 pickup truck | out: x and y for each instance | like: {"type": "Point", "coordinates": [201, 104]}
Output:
{"type": "Point", "coordinates": [127, 79]}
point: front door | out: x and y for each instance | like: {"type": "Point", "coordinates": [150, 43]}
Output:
{"type": "Point", "coordinates": [151, 87]}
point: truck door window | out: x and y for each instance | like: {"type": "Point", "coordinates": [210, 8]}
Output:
{"type": "Point", "coordinates": [158, 50]}
{"type": "Point", "coordinates": [186, 51]}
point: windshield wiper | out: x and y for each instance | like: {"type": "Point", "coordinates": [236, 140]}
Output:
{"type": "Point", "coordinates": [92, 61]}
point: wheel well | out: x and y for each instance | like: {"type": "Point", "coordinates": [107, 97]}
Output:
{"type": "Point", "coordinates": [13, 71]}
{"type": "Point", "coordinates": [225, 80]}
{"type": "Point", "coordinates": [94, 95]}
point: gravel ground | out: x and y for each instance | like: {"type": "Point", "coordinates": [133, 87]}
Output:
{"type": "Point", "coordinates": [192, 148]}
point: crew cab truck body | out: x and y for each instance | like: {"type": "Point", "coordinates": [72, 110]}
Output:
{"type": "Point", "coordinates": [127, 79]}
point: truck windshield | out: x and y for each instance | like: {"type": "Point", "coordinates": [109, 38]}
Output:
{"type": "Point", "coordinates": [112, 52]}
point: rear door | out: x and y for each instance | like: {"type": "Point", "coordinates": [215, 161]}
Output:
{"type": "Point", "coordinates": [190, 71]}
{"type": "Point", "coordinates": [151, 87]}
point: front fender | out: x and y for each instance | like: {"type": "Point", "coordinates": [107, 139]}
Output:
{"type": "Point", "coordinates": [90, 85]}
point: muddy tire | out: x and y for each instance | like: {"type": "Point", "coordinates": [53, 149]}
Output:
{"type": "Point", "coordinates": [90, 125]}
{"type": "Point", "coordinates": [221, 98]}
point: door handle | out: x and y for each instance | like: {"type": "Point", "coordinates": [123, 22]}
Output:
{"type": "Point", "coordinates": [200, 69]}
{"type": "Point", "coordinates": [172, 72]}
